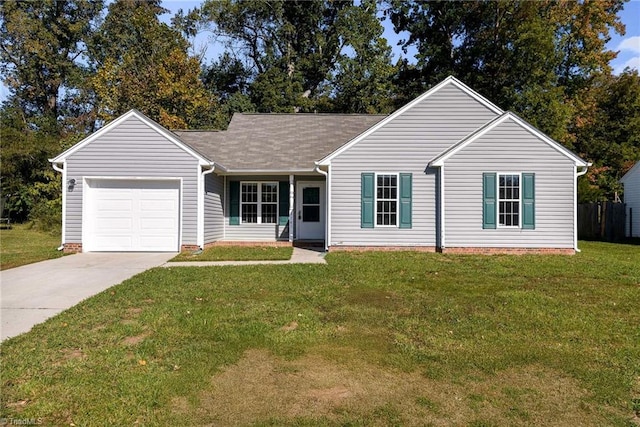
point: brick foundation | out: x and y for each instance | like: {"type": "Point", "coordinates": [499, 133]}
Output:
{"type": "Point", "coordinates": [381, 248]}
{"type": "Point", "coordinates": [509, 251]}
{"type": "Point", "coordinates": [189, 248]}
{"type": "Point", "coordinates": [72, 248]}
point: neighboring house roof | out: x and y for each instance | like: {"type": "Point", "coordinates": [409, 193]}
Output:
{"type": "Point", "coordinates": [630, 172]}
{"type": "Point", "coordinates": [278, 142]}
{"type": "Point", "coordinates": [441, 158]}
{"type": "Point", "coordinates": [152, 124]}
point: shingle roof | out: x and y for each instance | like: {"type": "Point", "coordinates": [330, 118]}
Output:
{"type": "Point", "coordinates": [278, 142]}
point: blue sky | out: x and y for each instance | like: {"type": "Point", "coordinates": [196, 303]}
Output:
{"type": "Point", "coordinates": [628, 45]}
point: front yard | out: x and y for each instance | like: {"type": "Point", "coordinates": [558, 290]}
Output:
{"type": "Point", "coordinates": [22, 245]}
{"type": "Point", "coordinates": [396, 338]}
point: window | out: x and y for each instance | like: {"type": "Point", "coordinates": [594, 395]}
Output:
{"type": "Point", "coordinates": [259, 202]}
{"type": "Point", "coordinates": [509, 200]}
{"type": "Point", "coordinates": [386, 199]}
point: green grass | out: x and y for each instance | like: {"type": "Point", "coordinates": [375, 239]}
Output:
{"type": "Point", "coordinates": [22, 245]}
{"type": "Point", "coordinates": [238, 253]}
{"type": "Point", "coordinates": [372, 338]}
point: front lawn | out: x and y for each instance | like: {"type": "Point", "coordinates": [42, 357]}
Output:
{"type": "Point", "coordinates": [237, 253]}
{"type": "Point", "coordinates": [373, 338]}
{"type": "Point", "coordinates": [22, 245]}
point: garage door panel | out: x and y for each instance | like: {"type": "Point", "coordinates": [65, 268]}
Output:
{"type": "Point", "coordinates": [106, 204]}
{"type": "Point", "coordinates": [133, 215]}
{"type": "Point", "coordinates": [156, 206]}
{"type": "Point", "coordinates": [109, 225]}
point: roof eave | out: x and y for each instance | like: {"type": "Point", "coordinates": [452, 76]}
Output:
{"type": "Point", "coordinates": [249, 171]}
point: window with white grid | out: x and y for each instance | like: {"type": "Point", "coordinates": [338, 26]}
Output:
{"type": "Point", "coordinates": [386, 199]}
{"type": "Point", "coordinates": [509, 200]}
{"type": "Point", "coordinates": [259, 202]}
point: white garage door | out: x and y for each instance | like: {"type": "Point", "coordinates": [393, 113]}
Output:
{"type": "Point", "coordinates": [131, 215]}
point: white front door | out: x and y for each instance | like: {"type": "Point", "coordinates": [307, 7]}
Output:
{"type": "Point", "coordinates": [310, 211]}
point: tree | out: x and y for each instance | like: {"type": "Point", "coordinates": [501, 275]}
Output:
{"type": "Point", "coordinates": [295, 49]}
{"type": "Point", "coordinates": [614, 134]}
{"type": "Point", "coordinates": [363, 81]}
{"type": "Point", "coordinates": [536, 58]}
{"type": "Point", "coordinates": [143, 63]}
{"type": "Point", "coordinates": [41, 48]}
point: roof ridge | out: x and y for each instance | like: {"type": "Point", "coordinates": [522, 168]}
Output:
{"type": "Point", "coordinates": [313, 114]}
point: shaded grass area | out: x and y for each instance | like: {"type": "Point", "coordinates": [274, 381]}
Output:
{"type": "Point", "coordinates": [22, 245]}
{"type": "Point", "coordinates": [371, 338]}
{"type": "Point", "coordinates": [238, 253]}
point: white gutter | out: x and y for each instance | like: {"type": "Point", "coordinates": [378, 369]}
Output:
{"type": "Point", "coordinates": [201, 190]}
{"type": "Point", "coordinates": [291, 207]}
{"type": "Point", "coordinates": [62, 170]}
{"type": "Point", "coordinates": [442, 210]}
{"type": "Point", "coordinates": [327, 177]}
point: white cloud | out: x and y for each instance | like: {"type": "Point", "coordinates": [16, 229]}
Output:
{"type": "Point", "coordinates": [630, 44]}
{"type": "Point", "coordinates": [633, 63]}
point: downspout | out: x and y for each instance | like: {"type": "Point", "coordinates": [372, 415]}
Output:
{"type": "Point", "coordinates": [442, 210]}
{"type": "Point", "coordinates": [63, 171]}
{"type": "Point", "coordinates": [575, 207]}
{"type": "Point", "coordinates": [201, 210]}
{"type": "Point", "coordinates": [328, 205]}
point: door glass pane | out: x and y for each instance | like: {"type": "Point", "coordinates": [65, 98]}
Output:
{"type": "Point", "coordinates": [311, 196]}
{"type": "Point", "coordinates": [311, 213]}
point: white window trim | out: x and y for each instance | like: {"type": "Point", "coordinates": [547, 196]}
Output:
{"type": "Point", "coordinates": [375, 200]}
{"type": "Point", "coordinates": [259, 202]}
{"type": "Point", "coordinates": [498, 199]}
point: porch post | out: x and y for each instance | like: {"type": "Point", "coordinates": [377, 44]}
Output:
{"type": "Point", "coordinates": [291, 207]}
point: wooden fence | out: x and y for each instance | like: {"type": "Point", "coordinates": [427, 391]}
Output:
{"type": "Point", "coordinates": [601, 221]}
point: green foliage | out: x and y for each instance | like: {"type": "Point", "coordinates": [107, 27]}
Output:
{"type": "Point", "coordinates": [27, 177]}
{"type": "Point", "coordinates": [304, 56]}
{"type": "Point", "coordinates": [41, 44]}
{"type": "Point", "coordinates": [143, 63]}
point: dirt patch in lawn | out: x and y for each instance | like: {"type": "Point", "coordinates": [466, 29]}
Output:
{"type": "Point", "coordinates": [312, 387]}
{"type": "Point", "coordinates": [135, 340]}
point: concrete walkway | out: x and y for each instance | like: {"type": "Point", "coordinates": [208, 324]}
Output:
{"type": "Point", "coordinates": [33, 293]}
{"type": "Point", "coordinates": [299, 256]}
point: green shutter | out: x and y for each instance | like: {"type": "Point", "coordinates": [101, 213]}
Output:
{"type": "Point", "coordinates": [528, 201]}
{"type": "Point", "coordinates": [283, 203]}
{"type": "Point", "coordinates": [489, 200]}
{"type": "Point", "coordinates": [366, 200]}
{"type": "Point", "coordinates": [405, 200]}
{"type": "Point", "coordinates": [234, 203]}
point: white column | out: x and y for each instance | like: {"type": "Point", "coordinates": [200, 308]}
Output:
{"type": "Point", "coordinates": [291, 207]}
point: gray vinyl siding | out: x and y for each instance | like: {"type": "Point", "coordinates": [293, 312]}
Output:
{"type": "Point", "coordinates": [132, 149]}
{"type": "Point", "coordinates": [509, 148]}
{"type": "Point", "coordinates": [213, 211]}
{"type": "Point", "coordinates": [632, 200]}
{"type": "Point", "coordinates": [405, 144]}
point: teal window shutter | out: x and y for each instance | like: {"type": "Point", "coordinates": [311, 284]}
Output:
{"type": "Point", "coordinates": [489, 200]}
{"type": "Point", "coordinates": [283, 203]}
{"type": "Point", "coordinates": [366, 200]}
{"type": "Point", "coordinates": [405, 200]}
{"type": "Point", "coordinates": [234, 203]}
{"type": "Point", "coordinates": [528, 201]}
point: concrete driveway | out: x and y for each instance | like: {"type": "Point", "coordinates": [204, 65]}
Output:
{"type": "Point", "coordinates": [33, 293]}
